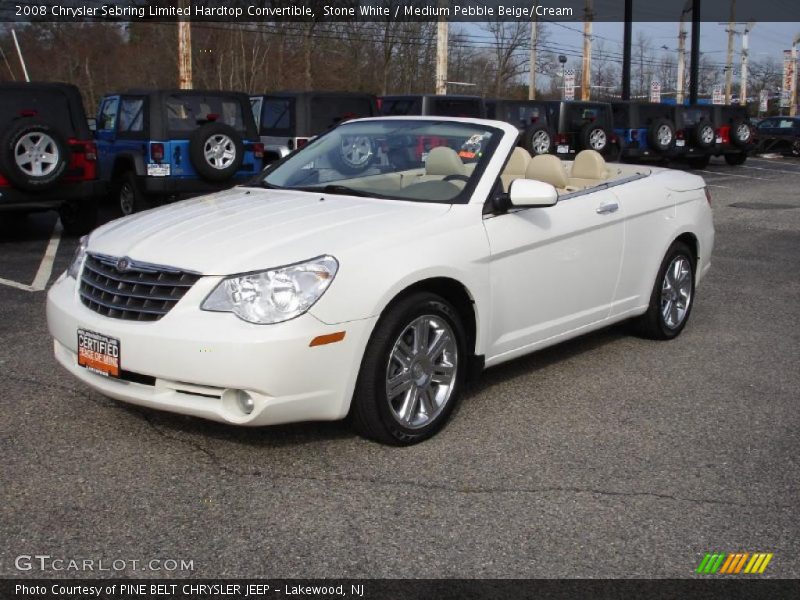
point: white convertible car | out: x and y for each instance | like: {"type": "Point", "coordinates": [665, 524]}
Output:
{"type": "Point", "coordinates": [371, 272]}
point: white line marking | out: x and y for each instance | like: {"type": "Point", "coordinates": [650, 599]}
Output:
{"type": "Point", "coordinates": [766, 169]}
{"type": "Point", "coordinates": [727, 187]}
{"type": "Point", "coordinates": [45, 267]}
{"type": "Point", "coordinates": [724, 174]}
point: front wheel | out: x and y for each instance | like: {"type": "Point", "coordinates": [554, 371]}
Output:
{"type": "Point", "coordinates": [672, 295]}
{"type": "Point", "coordinates": [412, 373]}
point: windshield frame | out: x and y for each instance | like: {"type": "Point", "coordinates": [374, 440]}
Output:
{"type": "Point", "coordinates": [463, 197]}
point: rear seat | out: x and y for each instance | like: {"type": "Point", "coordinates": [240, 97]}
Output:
{"type": "Point", "coordinates": [588, 170]}
{"type": "Point", "coordinates": [516, 167]}
{"type": "Point", "coordinates": [549, 169]}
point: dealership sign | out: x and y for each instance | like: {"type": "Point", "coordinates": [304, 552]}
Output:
{"type": "Point", "coordinates": [788, 78]}
{"type": "Point", "coordinates": [655, 91]}
{"type": "Point", "coordinates": [717, 97]}
{"type": "Point", "coordinates": [569, 84]}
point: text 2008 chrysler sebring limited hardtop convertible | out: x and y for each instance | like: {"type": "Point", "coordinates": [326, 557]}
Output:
{"type": "Point", "coordinates": [369, 273]}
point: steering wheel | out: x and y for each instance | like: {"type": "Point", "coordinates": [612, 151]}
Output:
{"type": "Point", "coordinates": [456, 177]}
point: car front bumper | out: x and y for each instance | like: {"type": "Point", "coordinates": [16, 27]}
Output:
{"type": "Point", "coordinates": [192, 361]}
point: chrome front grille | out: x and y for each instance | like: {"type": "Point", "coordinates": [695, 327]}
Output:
{"type": "Point", "coordinates": [126, 289]}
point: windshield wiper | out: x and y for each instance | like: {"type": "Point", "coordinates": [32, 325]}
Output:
{"type": "Point", "coordinates": [333, 188]}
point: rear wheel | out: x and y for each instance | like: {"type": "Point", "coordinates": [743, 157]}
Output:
{"type": "Point", "coordinates": [594, 137]}
{"type": "Point", "coordinates": [662, 135]}
{"type": "Point", "coordinates": [704, 134]}
{"type": "Point", "coordinates": [129, 195]}
{"type": "Point", "coordinates": [33, 155]}
{"type": "Point", "coordinates": [735, 159]}
{"type": "Point", "coordinates": [412, 372]}
{"type": "Point", "coordinates": [538, 140]}
{"type": "Point", "coordinates": [672, 295]}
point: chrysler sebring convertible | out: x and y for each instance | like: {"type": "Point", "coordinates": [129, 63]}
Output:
{"type": "Point", "coordinates": [369, 274]}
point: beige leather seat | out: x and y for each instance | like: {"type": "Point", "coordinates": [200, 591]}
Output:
{"type": "Point", "coordinates": [443, 161]}
{"type": "Point", "coordinates": [550, 169]}
{"type": "Point", "coordinates": [516, 167]}
{"type": "Point", "coordinates": [589, 169]}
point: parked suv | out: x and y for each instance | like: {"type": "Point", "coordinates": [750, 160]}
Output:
{"type": "Point", "coordinates": [696, 124]}
{"type": "Point", "coordinates": [288, 120]}
{"type": "Point", "coordinates": [734, 133]}
{"type": "Point", "coordinates": [47, 154]}
{"type": "Point", "coordinates": [648, 130]}
{"type": "Point", "coordinates": [153, 144]}
{"type": "Point", "coordinates": [431, 104]}
{"type": "Point", "coordinates": [536, 120]}
{"type": "Point", "coordinates": [781, 134]}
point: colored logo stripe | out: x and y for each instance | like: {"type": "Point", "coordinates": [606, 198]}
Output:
{"type": "Point", "coordinates": [732, 563]}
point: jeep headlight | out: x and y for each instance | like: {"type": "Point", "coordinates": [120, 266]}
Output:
{"type": "Point", "coordinates": [77, 259]}
{"type": "Point", "coordinates": [274, 295]}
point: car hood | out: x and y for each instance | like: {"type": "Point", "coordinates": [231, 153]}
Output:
{"type": "Point", "coordinates": [248, 229]}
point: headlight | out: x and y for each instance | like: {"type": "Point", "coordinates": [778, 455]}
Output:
{"type": "Point", "coordinates": [77, 260]}
{"type": "Point", "coordinates": [275, 295]}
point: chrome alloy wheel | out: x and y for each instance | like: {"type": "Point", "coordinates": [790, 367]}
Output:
{"type": "Point", "coordinates": [541, 142]}
{"type": "Point", "coordinates": [676, 292]}
{"type": "Point", "coordinates": [219, 151]}
{"type": "Point", "coordinates": [707, 135]}
{"type": "Point", "coordinates": [36, 154]}
{"type": "Point", "coordinates": [356, 150]}
{"type": "Point", "coordinates": [664, 135]}
{"type": "Point", "coordinates": [743, 132]}
{"type": "Point", "coordinates": [421, 373]}
{"type": "Point", "coordinates": [597, 139]}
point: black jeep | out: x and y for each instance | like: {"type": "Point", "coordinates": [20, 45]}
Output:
{"type": "Point", "coordinates": [734, 132]}
{"type": "Point", "coordinates": [288, 120]}
{"type": "Point", "coordinates": [48, 159]}
{"type": "Point", "coordinates": [431, 104]}
{"type": "Point", "coordinates": [647, 130]}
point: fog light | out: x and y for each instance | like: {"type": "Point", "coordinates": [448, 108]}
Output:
{"type": "Point", "coordinates": [245, 402]}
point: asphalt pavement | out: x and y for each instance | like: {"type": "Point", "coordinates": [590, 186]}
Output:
{"type": "Point", "coordinates": [607, 456]}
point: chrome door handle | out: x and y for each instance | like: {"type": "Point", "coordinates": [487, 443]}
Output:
{"type": "Point", "coordinates": [606, 207]}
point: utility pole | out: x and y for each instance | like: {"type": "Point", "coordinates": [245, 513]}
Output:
{"type": "Point", "coordinates": [694, 66]}
{"type": "Point", "coordinates": [441, 53]}
{"type": "Point", "coordinates": [626, 50]}
{"type": "Point", "coordinates": [682, 54]}
{"type": "Point", "coordinates": [745, 51]}
{"type": "Point", "coordinates": [532, 73]}
{"type": "Point", "coordinates": [729, 62]}
{"type": "Point", "coordinates": [586, 79]}
{"type": "Point", "coordinates": [19, 53]}
{"type": "Point", "coordinates": [793, 101]}
{"type": "Point", "coordinates": [184, 52]}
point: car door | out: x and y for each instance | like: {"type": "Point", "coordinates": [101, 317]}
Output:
{"type": "Point", "coordinates": [106, 135]}
{"type": "Point", "coordinates": [553, 270]}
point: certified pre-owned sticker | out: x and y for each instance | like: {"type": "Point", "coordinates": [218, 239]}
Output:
{"type": "Point", "coordinates": [98, 353]}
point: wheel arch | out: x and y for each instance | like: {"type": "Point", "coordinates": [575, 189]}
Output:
{"type": "Point", "coordinates": [127, 162]}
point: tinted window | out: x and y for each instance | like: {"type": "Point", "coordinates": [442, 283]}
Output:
{"type": "Point", "coordinates": [108, 115]}
{"type": "Point", "coordinates": [691, 116]}
{"type": "Point", "coordinates": [448, 107]}
{"type": "Point", "coordinates": [276, 116]}
{"type": "Point", "coordinates": [49, 105]}
{"type": "Point", "coordinates": [652, 112]}
{"type": "Point", "coordinates": [131, 115]}
{"type": "Point", "coordinates": [187, 112]}
{"type": "Point", "coordinates": [401, 106]}
{"type": "Point", "coordinates": [580, 115]}
{"type": "Point", "coordinates": [327, 111]}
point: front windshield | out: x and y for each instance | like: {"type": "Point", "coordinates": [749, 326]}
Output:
{"type": "Point", "coordinates": [424, 160]}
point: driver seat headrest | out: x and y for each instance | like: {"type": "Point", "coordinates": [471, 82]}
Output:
{"type": "Point", "coordinates": [589, 164]}
{"type": "Point", "coordinates": [443, 161]}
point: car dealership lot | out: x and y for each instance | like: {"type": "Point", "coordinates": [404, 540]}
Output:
{"type": "Point", "coordinates": [606, 456]}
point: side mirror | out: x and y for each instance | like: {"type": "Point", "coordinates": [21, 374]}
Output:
{"type": "Point", "coordinates": [532, 193]}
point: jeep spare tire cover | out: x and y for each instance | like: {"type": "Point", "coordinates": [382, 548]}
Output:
{"type": "Point", "coordinates": [594, 137]}
{"type": "Point", "coordinates": [741, 134]}
{"type": "Point", "coordinates": [216, 151]}
{"type": "Point", "coordinates": [661, 135]}
{"type": "Point", "coordinates": [33, 155]}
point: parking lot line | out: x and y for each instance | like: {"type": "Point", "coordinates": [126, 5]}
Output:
{"type": "Point", "coordinates": [726, 174]}
{"type": "Point", "coordinates": [768, 169]}
{"type": "Point", "coordinates": [45, 267]}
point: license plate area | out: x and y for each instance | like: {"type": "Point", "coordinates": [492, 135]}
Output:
{"type": "Point", "coordinates": [562, 149]}
{"type": "Point", "coordinates": [98, 353]}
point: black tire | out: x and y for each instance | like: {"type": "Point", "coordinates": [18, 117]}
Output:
{"type": "Point", "coordinates": [652, 324]}
{"type": "Point", "coordinates": [129, 198]}
{"type": "Point", "coordinates": [79, 217]}
{"type": "Point", "coordinates": [741, 134]}
{"type": "Point", "coordinates": [701, 137]}
{"type": "Point", "coordinates": [354, 155]}
{"type": "Point", "coordinates": [12, 152]}
{"type": "Point", "coordinates": [653, 135]}
{"type": "Point", "coordinates": [591, 130]}
{"type": "Point", "coordinates": [795, 149]}
{"type": "Point", "coordinates": [698, 162]}
{"type": "Point", "coordinates": [735, 159]}
{"type": "Point", "coordinates": [371, 413]}
{"type": "Point", "coordinates": [226, 139]}
{"type": "Point", "coordinates": [536, 137]}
